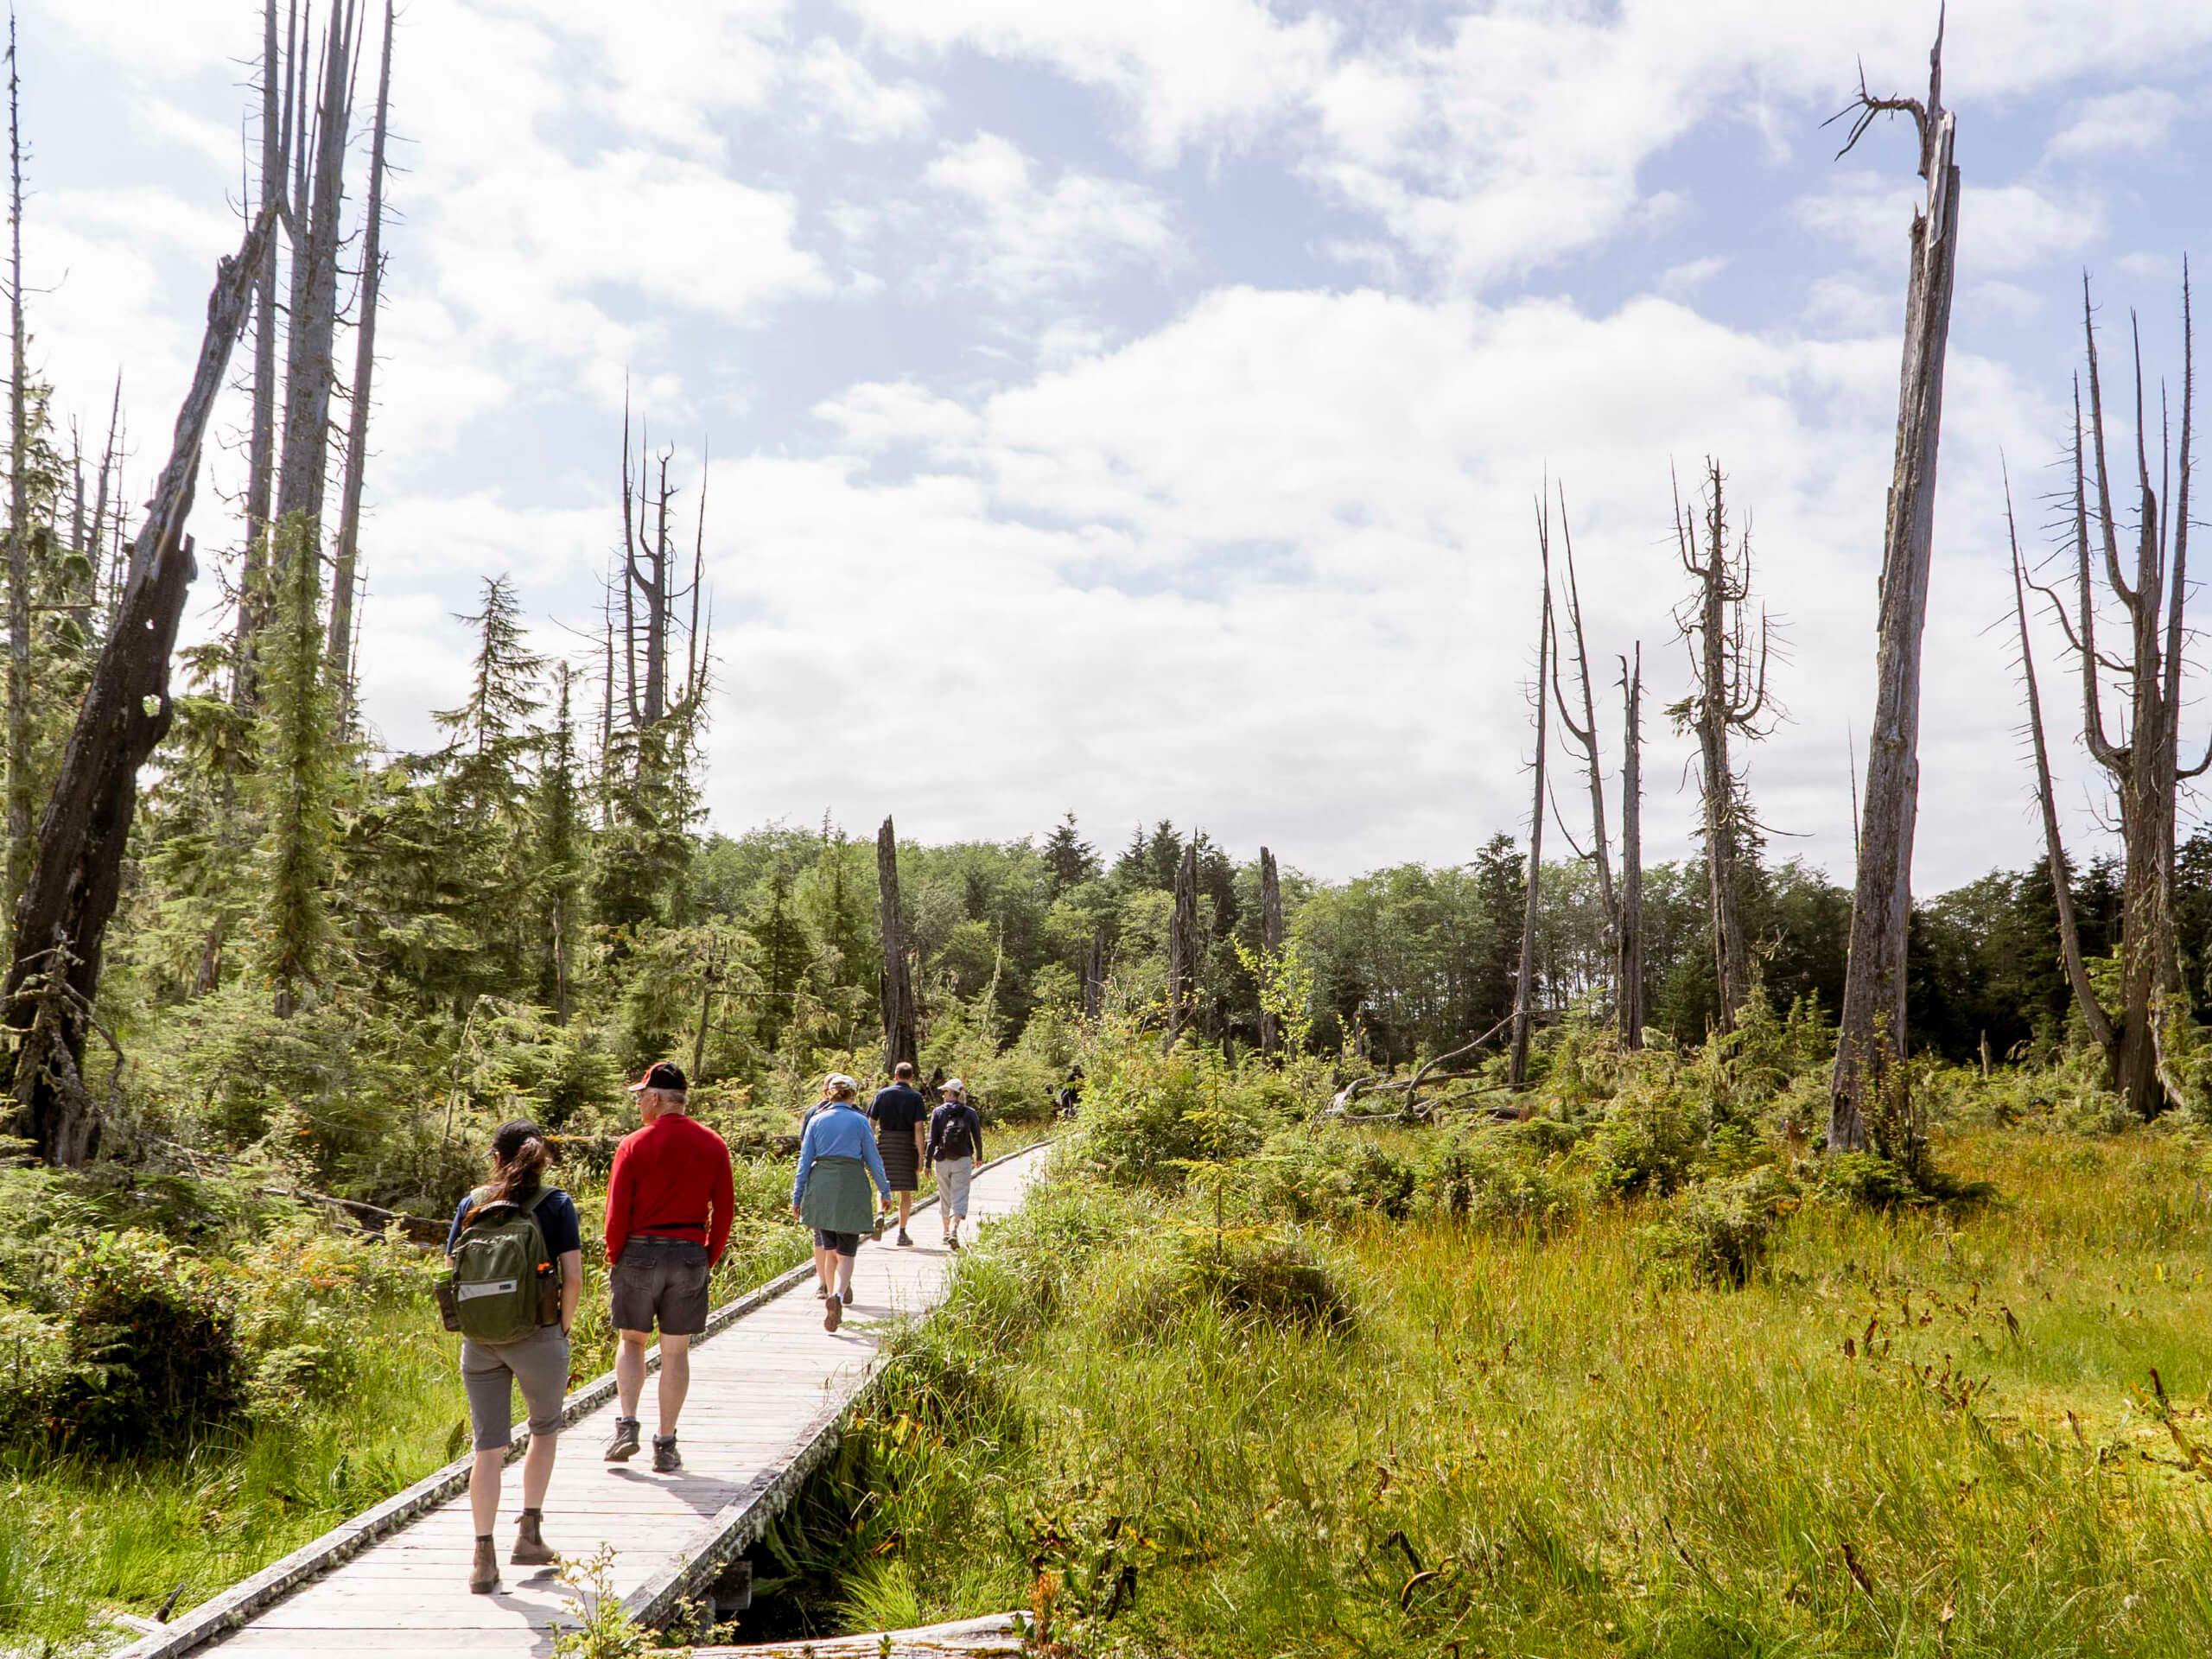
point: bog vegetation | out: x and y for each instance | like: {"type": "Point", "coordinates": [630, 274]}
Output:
{"type": "Point", "coordinates": [1502, 1256]}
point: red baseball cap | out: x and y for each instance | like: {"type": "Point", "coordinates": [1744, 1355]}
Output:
{"type": "Point", "coordinates": [662, 1074]}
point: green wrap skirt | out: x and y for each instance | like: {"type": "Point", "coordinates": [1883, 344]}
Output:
{"type": "Point", "coordinates": [839, 1196]}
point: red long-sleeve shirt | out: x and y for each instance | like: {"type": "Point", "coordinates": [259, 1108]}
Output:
{"type": "Point", "coordinates": [672, 1178]}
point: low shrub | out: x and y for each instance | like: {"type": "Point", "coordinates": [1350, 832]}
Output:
{"type": "Point", "coordinates": [1485, 1176]}
{"type": "Point", "coordinates": [151, 1346]}
{"type": "Point", "coordinates": [1272, 1280]}
{"type": "Point", "coordinates": [1308, 1176]}
{"type": "Point", "coordinates": [1722, 1229]}
{"type": "Point", "coordinates": [1650, 1141]}
{"type": "Point", "coordinates": [1147, 1115]}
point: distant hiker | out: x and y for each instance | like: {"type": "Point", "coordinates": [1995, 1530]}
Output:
{"type": "Point", "coordinates": [669, 1203]}
{"type": "Point", "coordinates": [518, 1269]}
{"type": "Point", "coordinates": [1071, 1094]}
{"type": "Point", "coordinates": [901, 1118]}
{"type": "Point", "coordinates": [836, 1159]}
{"type": "Point", "coordinates": [956, 1146]}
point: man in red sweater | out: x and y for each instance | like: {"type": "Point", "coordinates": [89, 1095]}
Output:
{"type": "Point", "coordinates": [669, 1201]}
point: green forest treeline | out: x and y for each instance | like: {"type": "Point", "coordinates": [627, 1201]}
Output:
{"type": "Point", "coordinates": [345, 955]}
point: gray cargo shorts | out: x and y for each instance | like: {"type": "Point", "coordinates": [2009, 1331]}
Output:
{"type": "Point", "coordinates": [660, 1283]}
{"type": "Point", "coordinates": [539, 1365]}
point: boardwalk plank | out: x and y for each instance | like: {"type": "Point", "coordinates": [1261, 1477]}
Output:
{"type": "Point", "coordinates": [765, 1391]}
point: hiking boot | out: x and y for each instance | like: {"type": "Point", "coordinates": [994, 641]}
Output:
{"type": "Point", "coordinates": [484, 1572]}
{"type": "Point", "coordinates": [822, 1293]}
{"type": "Point", "coordinates": [833, 1311]}
{"type": "Point", "coordinates": [623, 1445]}
{"type": "Point", "coordinates": [904, 1240]}
{"type": "Point", "coordinates": [529, 1542]}
{"type": "Point", "coordinates": [667, 1460]}
{"type": "Point", "coordinates": [952, 1242]}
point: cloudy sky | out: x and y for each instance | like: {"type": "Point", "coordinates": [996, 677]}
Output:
{"type": "Point", "coordinates": [1137, 406]}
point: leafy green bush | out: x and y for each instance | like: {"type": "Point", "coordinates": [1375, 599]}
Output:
{"type": "Point", "coordinates": [1651, 1140]}
{"type": "Point", "coordinates": [1867, 1180]}
{"type": "Point", "coordinates": [151, 1346]}
{"type": "Point", "coordinates": [1721, 1230]}
{"type": "Point", "coordinates": [1307, 1177]}
{"type": "Point", "coordinates": [1147, 1115]}
{"type": "Point", "coordinates": [1487, 1177]}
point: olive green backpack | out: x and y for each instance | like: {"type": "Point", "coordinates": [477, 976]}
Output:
{"type": "Point", "coordinates": [503, 1281]}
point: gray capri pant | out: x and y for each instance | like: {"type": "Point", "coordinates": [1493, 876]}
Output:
{"type": "Point", "coordinates": [490, 1370]}
{"type": "Point", "coordinates": [953, 1175]}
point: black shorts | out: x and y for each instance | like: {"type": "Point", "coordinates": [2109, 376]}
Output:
{"type": "Point", "coordinates": [660, 1283]}
{"type": "Point", "coordinates": [843, 1243]}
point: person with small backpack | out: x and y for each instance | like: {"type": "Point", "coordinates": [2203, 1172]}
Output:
{"type": "Point", "coordinates": [956, 1148]}
{"type": "Point", "coordinates": [516, 1252]}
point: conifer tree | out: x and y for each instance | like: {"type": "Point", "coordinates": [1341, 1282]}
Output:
{"type": "Point", "coordinates": [560, 831]}
{"type": "Point", "coordinates": [298, 779]}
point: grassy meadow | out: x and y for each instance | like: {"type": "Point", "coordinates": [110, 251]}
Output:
{"type": "Point", "coordinates": [1394, 1429]}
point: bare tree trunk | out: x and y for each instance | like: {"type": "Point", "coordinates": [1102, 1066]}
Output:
{"type": "Point", "coordinates": [310, 370]}
{"type": "Point", "coordinates": [897, 985]}
{"type": "Point", "coordinates": [2062, 878]}
{"type": "Point", "coordinates": [1731, 697]}
{"type": "Point", "coordinates": [19, 552]}
{"type": "Point", "coordinates": [343, 577]}
{"type": "Point", "coordinates": [77, 871]}
{"type": "Point", "coordinates": [96, 538]}
{"type": "Point", "coordinates": [1870, 1042]}
{"type": "Point", "coordinates": [653, 590]}
{"type": "Point", "coordinates": [261, 442]}
{"type": "Point", "coordinates": [1628, 973]}
{"type": "Point", "coordinates": [1270, 942]}
{"type": "Point", "coordinates": [1183, 944]}
{"type": "Point", "coordinates": [2146, 770]}
{"type": "Point", "coordinates": [1094, 976]}
{"type": "Point", "coordinates": [1584, 735]}
{"type": "Point", "coordinates": [1524, 981]}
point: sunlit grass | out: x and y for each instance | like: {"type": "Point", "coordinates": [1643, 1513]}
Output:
{"type": "Point", "coordinates": [1917, 1434]}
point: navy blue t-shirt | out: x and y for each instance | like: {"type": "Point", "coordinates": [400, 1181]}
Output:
{"type": "Point", "coordinates": [900, 1107]}
{"type": "Point", "coordinates": [556, 1219]}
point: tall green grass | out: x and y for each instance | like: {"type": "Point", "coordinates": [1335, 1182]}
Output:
{"type": "Point", "coordinates": [1909, 1434]}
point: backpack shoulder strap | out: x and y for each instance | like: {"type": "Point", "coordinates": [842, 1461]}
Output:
{"type": "Point", "coordinates": [529, 1205]}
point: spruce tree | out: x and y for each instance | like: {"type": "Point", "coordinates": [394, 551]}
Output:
{"type": "Point", "coordinates": [298, 778]}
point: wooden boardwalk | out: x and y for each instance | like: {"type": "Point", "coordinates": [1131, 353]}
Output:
{"type": "Point", "coordinates": [769, 1388]}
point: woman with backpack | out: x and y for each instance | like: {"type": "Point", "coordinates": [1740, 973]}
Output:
{"type": "Point", "coordinates": [956, 1147]}
{"type": "Point", "coordinates": [836, 1159]}
{"type": "Point", "coordinates": [518, 1260]}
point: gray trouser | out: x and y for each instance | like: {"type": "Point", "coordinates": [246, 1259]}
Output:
{"type": "Point", "coordinates": [953, 1175]}
{"type": "Point", "coordinates": [491, 1371]}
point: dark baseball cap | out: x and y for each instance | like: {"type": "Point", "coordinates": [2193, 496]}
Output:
{"type": "Point", "coordinates": [662, 1074]}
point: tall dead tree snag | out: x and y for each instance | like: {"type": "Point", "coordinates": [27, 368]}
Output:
{"type": "Point", "coordinates": [345, 576]}
{"type": "Point", "coordinates": [76, 871]}
{"type": "Point", "coordinates": [897, 984]}
{"type": "Point", "coordinates": [1729, 659]}
{"type": "Point", "coordinates": [2062, 878]}
{"type": "Point", "coordinates": [1624, 920]}
{"type": "Point", "coordinates": [1628, 970]}
{"type": "Point", "coordinates": [2145, 768]}
{"type": "Point", "coordinates": [17, 864]}
{"type": "Point", "coordinates": [1870, 1042]}
{"type": "Point", "coordinates": [1270, 943]}
{"type": "Point", "coordinates": [1183, 944]}
{"type": "Point", "coordinates": [1524, 980]}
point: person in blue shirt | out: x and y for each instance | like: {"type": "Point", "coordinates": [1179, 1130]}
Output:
{"type": "Point", "coordinates": [836, 1159]}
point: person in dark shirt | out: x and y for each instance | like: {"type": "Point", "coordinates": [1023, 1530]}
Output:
{"type": "Point", "coordinates": [901, 1119]}
{"type": "Point", "coordinates": [956, 1147]}
{"type": "Point", "coordinates": [538, 1364]}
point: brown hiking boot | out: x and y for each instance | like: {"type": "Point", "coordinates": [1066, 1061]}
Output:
{"type": "Point", "coordinates": [667, 1460]}
{"type": "Point", "coordinates": [623, 1445]}
{"type": "Point", "coordinates": [529, 1543]}
{"type": "Point", "coordinates": [484, 1573]}
{"type": "Point", "coordinates": [833, 1311]}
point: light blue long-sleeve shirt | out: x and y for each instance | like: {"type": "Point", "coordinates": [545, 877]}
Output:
{"type": "Point", "coordinates": [838, 1129]}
